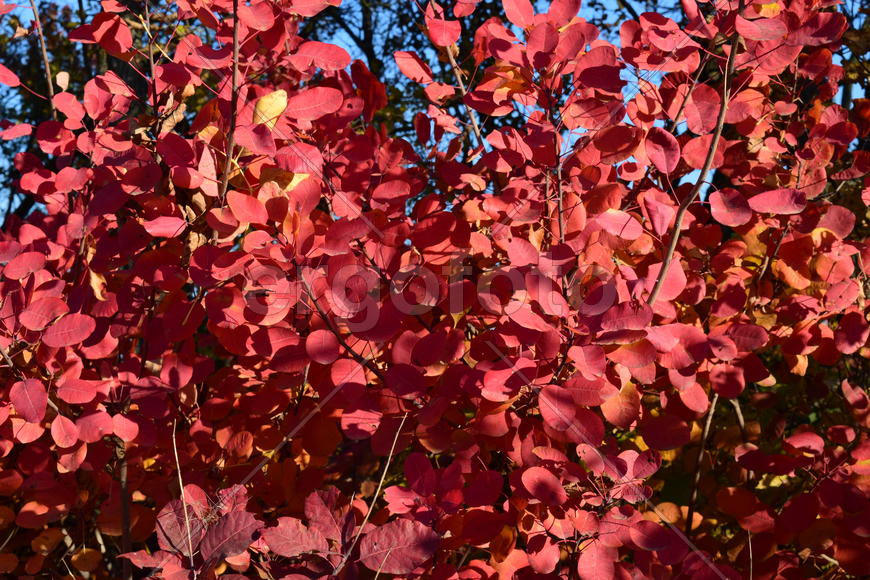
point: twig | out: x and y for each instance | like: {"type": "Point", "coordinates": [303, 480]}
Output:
{"type": "Point", "coordinates": [697, 477]}
{"type": "Point", "coordinates": [368, 515]}
{"type": "Point", "coordinates": [708, 162]}
{"type": "Point", "coordinates": [12, 366]}
{"type": "Point", "coordinates": [625, 5]}
{"type": "Point", "coordinates": [183, 503]}
{"type": "Point", "coordinates": [126, 545]}
{"type": "Point", "coordinates": [469, 111]}
{"type": "Point", "coordinates": [356, 356]}
{"type": "Point", "coordinates": [741, 422]}
{"type": "Point", "coordinates": [234, 102]}
{"type": "Point", "coordinates": [45, 62]}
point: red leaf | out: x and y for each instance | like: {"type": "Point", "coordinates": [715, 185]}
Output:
{"type": "Point", "coordinates": [557, 407]}
{"type": "Point", "coordinates": [519, 12]}
{"type": "Point", "coordinates": [663, 150]}
{"type": "Point", "coordinates": [8, 78]}
{"type": "Point", "coordinates": [398, 547]}
{"type": "Point", "coordinates": [42, 312]}
{"type": "Point", "coordinates": [24, 265]}
{"type": "Point", "coordinates": [543, 485]}
{"type": "Point", "coordinates": [852, 333]}
{"type": "Point", "coordinates": [30, 398]}
{"type": "Point", "coordinates": [761, 29]}
{"type": "Point", "coordinates": [231, 535]}
{"type": "Point", "coordinates": [64, 432]}
{"type": "Point", "coordinates": [664, 432]}
{"type": "Point", "coordinates": [69, 330]}
{"type": "Point", "coordinates": [247, 208]}
{"type": "Point", "coordinates": [165, 226]}
{"type": "Point", "coordinates": [322, 346]}
{"type": "Point", "coordinates": [325, 56]}
{"type": "Point", "coordinates": [413, 67]}
{"type": "Point", "coordinates": [587, 428]}
{"type": "Point", "coordinates": [291, 538]}
{"type": "Point", "coordinates": [310, 8]}
{"type": "Point", "coordinates": [729, 207]}
{"type": "Point", "coordinates": [648, 535]}
{"type": "Point", "coordinates": [313, 103]}
{"type": "Point", "coordinates": [172, 528]}
{"type": "Point", "coordinates": [257, 139]}
{"type": "Point", "coordinates": [443, 32]}
{"type": "Point", "coordinates": [258, 16]}
{"type": "Point", "coordinates": [786, 201]}
{"type": "Point", "coordinates": [620, 224]}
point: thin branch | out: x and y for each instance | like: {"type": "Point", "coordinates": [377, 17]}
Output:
{"type": "Point", "coordinates": [45, 62]}
{"type": "Point", "coordinates": [183, 503]}
{"type": "Point", "coordinates": [462, 90]}
{"type": "Point", "coordinates": [234, 102]}
{"type": "Point", "coordinates": [626, 5]}
{"type": "Point", "coordinates": [697, 477]}
{"type": "Point", "coordinates": [356, 356]}
{"type": "Point", "coordinates": [126, 544]}
{"type": "Point", "coordinates": [368, 515]}
{"type": "Point", "coordinates": [708, 163]}
{"type": "Point", "coordinates": [12, 366]}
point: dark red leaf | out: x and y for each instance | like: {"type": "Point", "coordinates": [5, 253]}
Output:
{"type": "Point", "coordinates": [398, 547]}
{"type": "Point", "coordinates": [663, 150]}
{"type": "Point", "coordinates": [291, 538]}
{"type": "Point", "coordinates": [229, 536]}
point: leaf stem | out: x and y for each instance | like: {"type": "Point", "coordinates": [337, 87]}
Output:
{"type": "Point", "coordinates": [705, 169]}
{"type": "Point", "coordinates": [697, 476]}
{"type": "Point", "coordinates": [45, 61]}
{"type": "Point", "coordinates": [234, 103]}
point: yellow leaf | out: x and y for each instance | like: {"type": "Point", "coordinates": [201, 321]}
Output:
{"type": "Point", "coordinates": [769, 10]}
{"type": "Point", "coordinates": [97, 282]}
{"type": "Point", "coordinates": [269, 108]}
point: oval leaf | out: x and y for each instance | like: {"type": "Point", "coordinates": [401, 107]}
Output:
{"type": "Point", "coordinates": [786, 201]}
{"type": "Point", "coordinates": [398, 547]}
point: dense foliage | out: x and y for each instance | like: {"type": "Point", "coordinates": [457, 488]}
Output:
{"type": "Point", "coordinates": [601, 313]}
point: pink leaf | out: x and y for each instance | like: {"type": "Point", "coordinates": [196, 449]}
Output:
{"type": "Point", "coordinates": [8, 78]}
{"type": "Point", "coordinates": [69, 330]}
{"type": "Point", "coordinates": [30, 399]}
{"type": "Point", "coordinates": [398, 547]}
{"type": "Point", "coordinates": [322, 346]}
{"type": "Point", "coordinates": [557, 407]}
{"type": "Point", "coordinates": [620, 224]}
{"type": "Point", "coordinates": [729, 207]}
{"type": "Point", "coordinates": [761, 29]}
{"type": "Point", "coordinates": [313, 103]}
{"type": "Point", "coordinates": [325, 56]}
{"type": "Point", "coordinates": [42, 312]}
{"type": "Point", "coordinates": [413, 67]}
{"type": "Point", "coordinates": [663, 150]}
{"type": "Point", "coordinates": [247, 208]}
{"type": "Point", "coordinates": [443, 32]}
{"type": "Point", "coordinates": [786, 201]}
{"type": "Point", "coordinates": [165, 226]}
{"type": "Point", "coordinates": [64, 432]}
{"type": "Point", "coordinates": [291, 538]}
{"type": "Point", "coordinates": [544, 486]}
{"type": "Point", "coordinates": [519, 12]}
{"type": "Point", "coordinates": [24, 265]}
